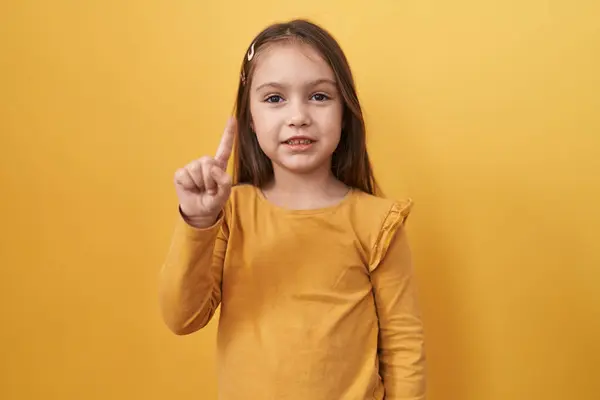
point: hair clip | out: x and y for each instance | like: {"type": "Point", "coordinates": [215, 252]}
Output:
{"type": "Point", "coordinates": [251, 52]}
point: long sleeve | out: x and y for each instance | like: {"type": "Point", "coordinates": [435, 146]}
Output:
{"type": "Point", "coordinates": [190, 278]}
{"type": "Point", "coordinates": [401, 342]}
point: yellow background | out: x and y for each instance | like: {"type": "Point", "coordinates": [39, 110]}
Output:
{"type": "Point", "coordinates": [485, 112]}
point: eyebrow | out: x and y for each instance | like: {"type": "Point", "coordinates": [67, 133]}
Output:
{"type": "Point", "coordinates": [311, 83]}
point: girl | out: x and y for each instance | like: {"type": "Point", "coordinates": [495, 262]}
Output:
{"type": "Point", "coordinates": [311, 268]}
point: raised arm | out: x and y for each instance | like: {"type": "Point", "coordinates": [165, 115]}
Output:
{"type": "Point", "coordinates": [190, 278]}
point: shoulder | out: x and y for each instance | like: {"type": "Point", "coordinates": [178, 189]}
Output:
{"type": "Point", "coordinates": [242, 192]}
{"type": "Point", "coordinates": [376, 210]}
{"type": "Point", "coordinates": [242, 197]}
{"type": "Point", "coordinates": [377, 221]}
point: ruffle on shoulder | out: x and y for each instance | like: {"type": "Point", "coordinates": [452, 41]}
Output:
{"type": "Point", "coordinates": [395, 218]}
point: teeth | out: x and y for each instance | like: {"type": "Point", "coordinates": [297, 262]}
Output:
{"type": "Point", "coordinates": [297, 141]}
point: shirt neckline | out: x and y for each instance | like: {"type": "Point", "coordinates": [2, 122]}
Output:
{"type": "Point", "coordinates": [312, 211]}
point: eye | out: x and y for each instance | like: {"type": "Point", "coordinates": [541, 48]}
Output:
{"type": "Point", "coordinates": [274, 99]}
{"type": "Point", "coordinates": [320, 97]}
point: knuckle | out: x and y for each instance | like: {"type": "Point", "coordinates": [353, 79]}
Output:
{"type": "Point", "coordinates": [205, 160]}
{"type": "Point", "coordinates": [196, 164]}
{"type": "Point", "coordinates": [180, 174]}
{"type": "Point", "coordinates": [195, 168]}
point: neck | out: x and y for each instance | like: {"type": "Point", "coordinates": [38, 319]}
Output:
{"type": "Point", "coordinates": [289, 182]}
{"type": "Point", "coordinates": [315, 189]}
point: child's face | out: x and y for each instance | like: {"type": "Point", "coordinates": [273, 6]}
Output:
{"type": "Point", "coordinates": [294, 95]}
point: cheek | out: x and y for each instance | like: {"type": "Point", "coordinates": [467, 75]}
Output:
{"type": "Point", "coordinates": [261, 118]}
{"type": "Point", "coordinates": [331, 120]}
{"type": "Point", "coordinates": [262, 127]}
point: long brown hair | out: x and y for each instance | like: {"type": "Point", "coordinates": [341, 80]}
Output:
{"type": "Point", "coordinates": [350, 161]}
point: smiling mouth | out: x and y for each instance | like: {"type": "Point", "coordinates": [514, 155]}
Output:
{"type": "Point", "coordinates": [295, 142]}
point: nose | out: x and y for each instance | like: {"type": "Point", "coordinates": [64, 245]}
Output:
{"type": "Point", "coordinates": [299, 114]}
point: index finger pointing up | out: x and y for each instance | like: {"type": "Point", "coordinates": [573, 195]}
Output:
{"type": "Point", "coordinates": [226, 145]}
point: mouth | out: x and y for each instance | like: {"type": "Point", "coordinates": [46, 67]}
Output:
{"type": "Point", "coordinates": [299, 141]}
{"type": "Point", "coordinates": [299, 144]}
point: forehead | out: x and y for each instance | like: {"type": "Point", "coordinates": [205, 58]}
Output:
{"type": "Point", "coordinates": [290, 62]}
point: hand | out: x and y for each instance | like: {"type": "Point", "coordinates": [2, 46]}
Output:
{"type": "Point", "coordinates": [203, 186]}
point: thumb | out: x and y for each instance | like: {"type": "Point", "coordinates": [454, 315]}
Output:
{"type": "Point", "coordinates": [223, 181]}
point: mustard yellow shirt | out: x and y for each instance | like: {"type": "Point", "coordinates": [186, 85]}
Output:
{"type": "Point", "coordinates": [315, 304]}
